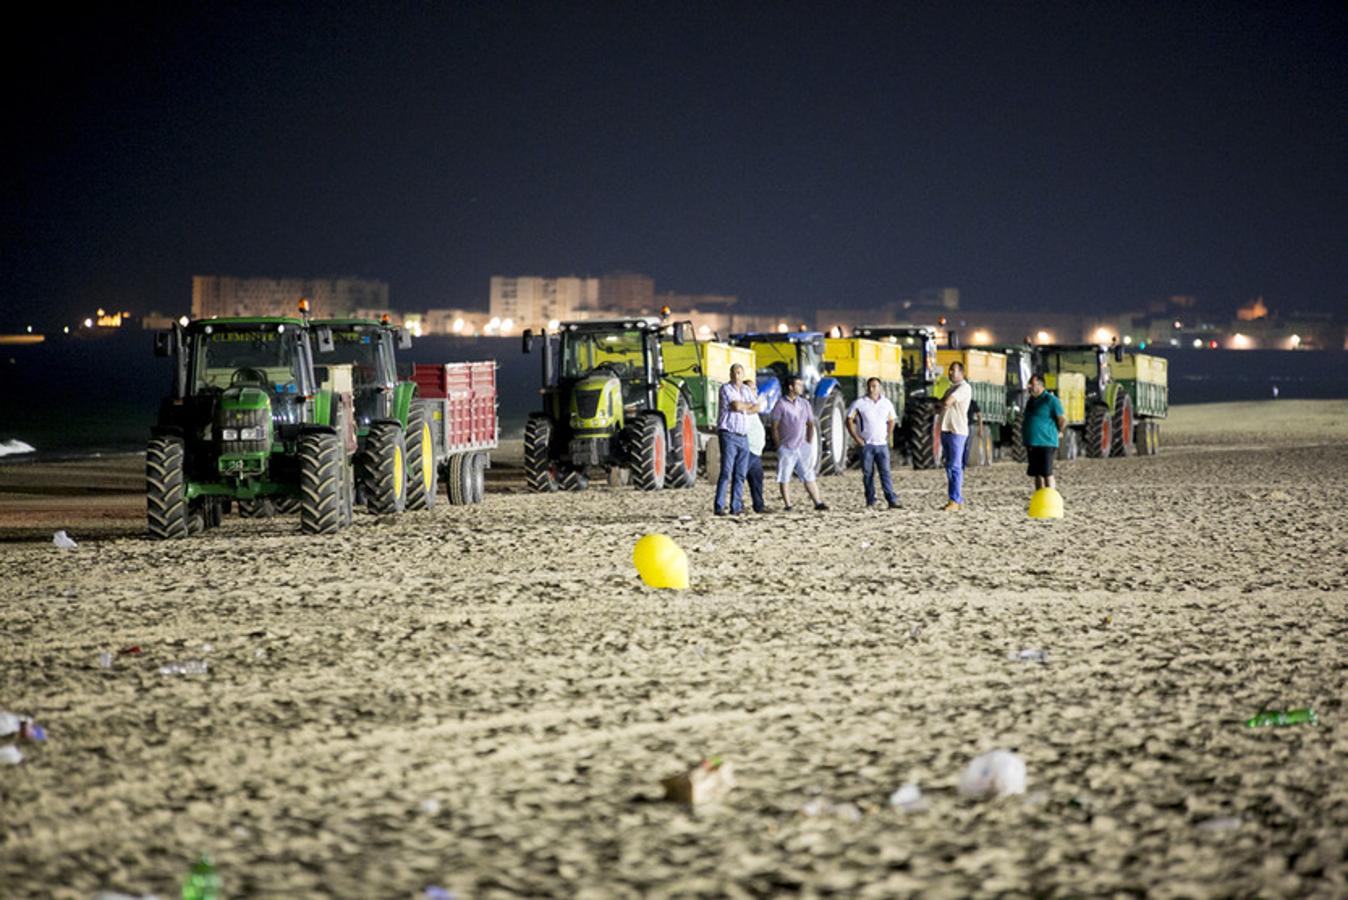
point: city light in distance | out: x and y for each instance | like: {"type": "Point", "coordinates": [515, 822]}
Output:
{"type": "Point", "coordinates": [457, 327]}
{"type": "Point", "coordinates": [704, 329]}
{"type": "Point", "coordinates": [1127, 338]}
{"type": "Point", "coordinates": [183, 320]}
{"type": "Point", "coordinates": [1294, 341]}
{"type": "Point", "coordinates": [1102, 334]}
{"type": "Point", "coordinates": [982, 337]}
{"type": "Point", "coordinates": [506, 325]}
{"type": "Point", "coordinates": [1198, 343]}
{"type": "Point", "coordinates": [1043, 337]}
{"type": "Point", "coordinates": [782, 327]}
{"type": "Point", "coordinates": [88, 323]}
{"type": "Point", "coordinates": [554, 324]}
{"type": "Point", "coordinates": [1240, 341]}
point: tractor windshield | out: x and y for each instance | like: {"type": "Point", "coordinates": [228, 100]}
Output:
{"type": "Point", "coordinates": [265, 356]}
{"type": "Point", "coordinates": [621, 352]}
{"type": "Point", "coordinates": [368, 351]}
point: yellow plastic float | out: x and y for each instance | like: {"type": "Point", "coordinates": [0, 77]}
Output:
{"type": "Point", "coordinates": [1046, 503]}
{"type": "Point", "coordinates": [660, 562]}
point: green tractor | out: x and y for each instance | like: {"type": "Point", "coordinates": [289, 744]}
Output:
{"type": "Point", "coordinates": [249, 420]}
{"type": "Point", "coordinates": [919, 435]}
{"type": "Point", "coordinates": [1109, 408]}
{"type": "Point", "coordinates": [609, 403]}
{"type": "Point", "coordinates": [395, 466]}
{"type": "Point", "coordinates": [1021, 363]}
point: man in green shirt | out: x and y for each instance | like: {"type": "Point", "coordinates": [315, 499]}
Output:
{"type": "Point", "coordinates": [1045, 420]}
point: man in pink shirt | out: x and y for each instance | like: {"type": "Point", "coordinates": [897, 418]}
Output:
{"type": "Point", "coordinates": [793, 432]}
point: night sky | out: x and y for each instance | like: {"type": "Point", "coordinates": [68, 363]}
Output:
{"type": "Point", "coordinates": [1067, 155]}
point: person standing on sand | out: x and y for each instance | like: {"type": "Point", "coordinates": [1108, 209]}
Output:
{"type": "Point", "coordinates": [955, 434]}
{"type": "Point", "coordinates": [793, 432]}
{"type": "Point", "coordinates": [758, 439]}
{"type": "Point", "coordinates": [1045, 421]}
{"type": "Point", "coordinates": [737, 402]}
{"type": "Point", "coordinates": [876, 415]}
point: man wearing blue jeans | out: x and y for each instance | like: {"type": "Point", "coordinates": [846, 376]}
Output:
{"type": "Point", "coordinates": [876, 415]}
{"type": "Point", "coordinates": [737, 402]}
{"type": "Point", "coordinates": [954, 435]}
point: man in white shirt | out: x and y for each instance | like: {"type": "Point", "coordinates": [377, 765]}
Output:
{"type": "Point", "coordinates": [954, 434]}
{"type": "Point", "coordinates": [758, 439]}
{"type": "Point", "coordinates": [875, 414]}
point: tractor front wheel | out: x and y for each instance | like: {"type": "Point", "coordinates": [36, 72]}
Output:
{"type": "Point", "coordinates": [683, 448]}
{"type": "Point", "coordinates": [1099, 426]}
{"type": "Point", "coordinates": [540, 471]}
{"type": "Point", "coordinates": [421, 468]}
{"type": "Point", "coordinates": [648, 451]}
{"type": "Point", "coordinates": [832, 425]}
{"type": "Point", "coordinates": [166, 488]}
{"type": "Point", "coordinates": [575, 480]}
{"type": "Point", "coordinates": [321, 493]}
{"type": "Point", "coordinates": [924, 436]}
{"type": "Point", "coordinates": [1018, 452]}
{"type": "Point", "coordinates": [384, 469]}
{"type": "Point", "coordinates": [1121, 428]}
{"type": "Point", "coordinates": [260, 508]}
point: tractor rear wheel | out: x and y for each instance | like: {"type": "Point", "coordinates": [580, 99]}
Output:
{"type": "Point", "coordinates": [683, 448]}
{"type": "Point", "coordinates": [540, 471]}
{"type": "Point", "coordinates": [421, 468]}
{"type": "Point", "coordinates": [320, 483]}
{"type": "Point", "coordinates": [1121, 428]}
{"type": "Point", "coordinates": [1018, 453]}
{"type": "Point", "coordinates": [259, 508]}
{"type": "Point", "coordinates": [384, 469]}
{"type": "Point", "coordinates": [648, 453]}
{"type": "Point", "coordinates": [1099, 426]}
{"type": "Point", "coordinates": [286, 505]}
{"type": "Point", "coordinates": [575, 480]}
{"type": "Point", "coordinates": [166, 488]}
{"type": "Point", "coordinates": [924, 436]}
{"type": "Point", "coordinates": [832, 425]}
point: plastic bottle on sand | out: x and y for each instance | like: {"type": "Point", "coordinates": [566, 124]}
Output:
{"type": "Point", "coordinates": [1281, 717]}
{"type": "Point", "coordinates": [203, 882]}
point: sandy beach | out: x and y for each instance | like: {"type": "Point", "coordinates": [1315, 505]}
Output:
{"type": "Point", "coordinates": [486, 698]}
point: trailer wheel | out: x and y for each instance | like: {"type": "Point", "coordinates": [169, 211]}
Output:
{"type": "Point", "coordinates": [166, 488]}
{"type": "Point", "coordinates": [540, 470]}
{"type": "Point", "coordinates": [924, 436]}
{"type": "Point", "coordinates": [320, 483]}
{"type": "Point", "coordinates": [649, 454]}
{"type": "Point", "coordinates": [1098, 428]}
{"type": "Point", "coordinates": [479, 466]}
{"type": "Point", "coordinates": [683, 448]}
{"type": "Point", "coordinates": [384, 469]}
{"type": "Point", "coordinates": [421, 469]}
{"type": "Point", "coordinates": [1121, 428]}
{"type": "Point", "coordinates": [711, 458]}
{"type": "Point", "coordinates": [259, 508]}
{"type": "Point", "coordinates": [1018, 453]}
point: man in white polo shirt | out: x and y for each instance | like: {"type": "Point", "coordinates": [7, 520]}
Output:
{"type": "Point", "coordinates": [954, 434]}
{"type": "Point", "coordinates": [876, 415]}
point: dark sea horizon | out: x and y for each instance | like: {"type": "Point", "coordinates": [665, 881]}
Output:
{"type": "Point", "coordinates": [81, 397]}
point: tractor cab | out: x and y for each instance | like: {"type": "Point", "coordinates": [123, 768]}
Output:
{"type": "Point", "coordinates": [919, 352]}
{"type": "Point", "coordinates": [783, 355]}
{"type": "Point", "coordinates": [369, 347]}
{"type": "Point", "coordinates": [609, 366]}
{"type": "Point", "coordinates": [1091, 360]}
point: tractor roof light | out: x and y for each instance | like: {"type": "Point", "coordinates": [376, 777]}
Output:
{"type": "Point", "coordinates": [304, 307]}
{"type": "Point", "coordinates": [384, 319]}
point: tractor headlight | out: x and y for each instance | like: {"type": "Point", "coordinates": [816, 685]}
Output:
{"type": "Point", "coordinates": [256, 433]}
{"type": "Point", "coordinates": [229, 434]}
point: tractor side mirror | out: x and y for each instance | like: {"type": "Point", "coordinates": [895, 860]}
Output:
{"type": "Point", "coordinates": [1118, 352]}
{"type": "Point", "coordinates": [680, 335]}
{"type": "Point", "coordinates": [952, 340]}
{"type": "Point", "coordinates": [829, 365]}
{"type": "Point", "coordinates": [818, 345]}
{"type": "Point", "coordinates": [163, 343]}
{"type": "Point", "coordinates": [527, 340]}
{"type": "Point", "coordinates": [404, 339]}
{"type": "Point", "coordinates": [323, 337]}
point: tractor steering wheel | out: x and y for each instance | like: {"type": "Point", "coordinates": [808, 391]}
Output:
{"type": "Point", "coordinates": [249, 375]}
{"type": "Point", "coordinates": [619, 369]}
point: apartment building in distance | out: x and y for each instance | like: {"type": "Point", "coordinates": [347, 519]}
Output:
{"type": "Point", "coordinates": [222, 295]}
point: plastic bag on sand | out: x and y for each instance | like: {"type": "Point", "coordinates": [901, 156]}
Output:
{"type": "Point", "coordinates": [1000, 773]}
{"type": "Point", "coordinates": [10, 755]}
{"type": "Point", "coordinates": [63, 541]}
{"type": "Point", "coordinates": [908, 798]}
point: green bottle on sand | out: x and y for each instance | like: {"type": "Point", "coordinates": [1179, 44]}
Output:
{"type": "Point", "coordinates": [1283, 717]}
{"type": "Point", "coordinates": [203, 882]}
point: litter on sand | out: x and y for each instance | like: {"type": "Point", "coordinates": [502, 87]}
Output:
{"type": "Point", "coordinates": [63, 541]}
{"type": "Point", "coordinates": [908, 798]}
{"type": "Point", "coordinates": [999, 773]}
{"type": "Point", "coordinates": [708, 781]}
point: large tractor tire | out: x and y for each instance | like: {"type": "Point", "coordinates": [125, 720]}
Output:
{"type": "Point", "coordinates": [384, 471]}
{"type": "Point", "coordinates": [923, 435]}
{"type": "Point", "coordinates": [683, 448]}
{"type": "Point", "coordinates": [540, 470]}
{"type": "Point", "coordinates": [321, 489]}
{"type": "Point", "coordinates": [166, 488]}
{"type": "Point", "coordinates": [1099, 428]}
{"type": "Point", "coordinates": [575, 480]}
{"type": "Point", "coordinates": [422, 474]}
{"type": "Point", "coordinates": [1121, 428]}
{"type": "Point", "coordinates": [711, 458]}
{"type": "Point", "coordinates": [286, 506]}
{"type": "Point", "coordinates": [648, 448]}
{"type": "Point", "coordinates": [260, 508]}
{"type": "Point", "coordinates": [1147, 437]}
{"type": "Point", "coordinates": [1018, 453]}
{"type": "Point", "coordinates": [832, 425]}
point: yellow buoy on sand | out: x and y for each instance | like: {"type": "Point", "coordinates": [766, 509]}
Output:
{"type": "Point", "coordinates": [1046, 503]}
{"type": "Point", "coordinates": [660, 562]}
